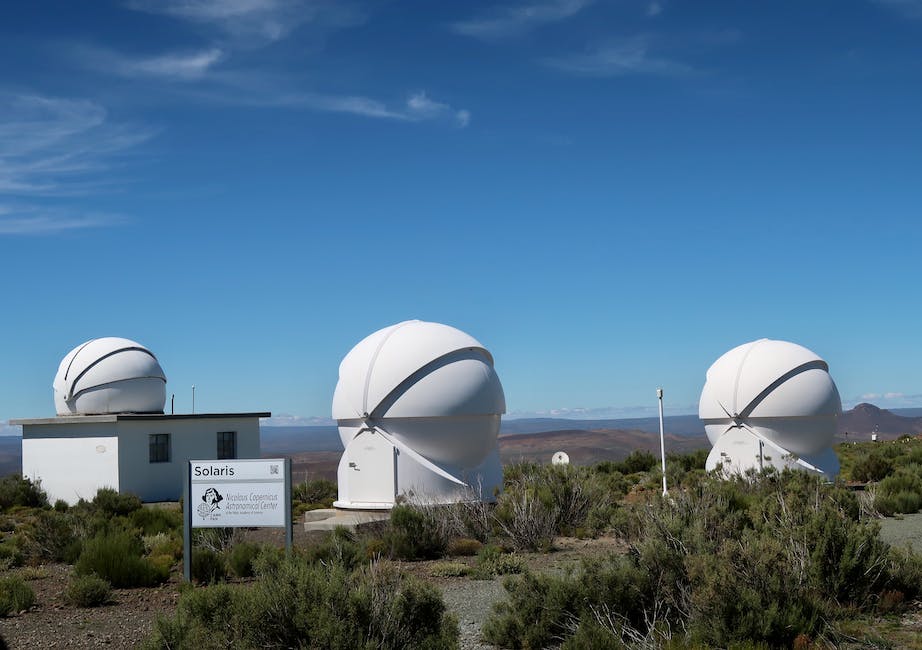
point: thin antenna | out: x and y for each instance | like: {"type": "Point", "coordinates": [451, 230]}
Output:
{"type": "Point", "coordinates": [662, 436]}
{"type": "Point", "coordinates": [173, 404]}
{"type": "Point", "coordinates": [193, 398]}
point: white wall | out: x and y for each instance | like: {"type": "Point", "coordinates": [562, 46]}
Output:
{"type": "Point", "coordinates": [190, 439]}
{"type": "Point", "coordinates": [75, 459]}
{"type": "Point", "coordinates": [73, 464]}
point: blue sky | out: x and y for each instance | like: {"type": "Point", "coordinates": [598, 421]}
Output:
{"type": "Point", "coordinates": [609, 194]}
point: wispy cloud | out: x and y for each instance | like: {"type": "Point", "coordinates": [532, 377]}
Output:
{"type": "Point", "coordinates": [631, 56]}
{"type": "Point", "coordinates": [52, 147]}
{"type": "Point", "coordinates": [508, 21]}
{"type": "Point", "coordinates": [418, 107]}
{"type": "Point", "coordinates": [170, 66]}
{"type": "Point", "coordinates": [182, 66]}
{"type": "Point", "coordinates": [36, 220]}
{"type": "Point", "coordinates": [654, 9]}
{"type": "Point", "coordinates": [254, 20]}
{"type": "Point", "coordinates": [886, 399]}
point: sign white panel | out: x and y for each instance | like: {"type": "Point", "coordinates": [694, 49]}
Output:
{"type": "Point", "coordinates": [237, 493]}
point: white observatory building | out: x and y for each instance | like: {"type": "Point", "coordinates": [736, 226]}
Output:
{"type": "Point", "coordinates": [418, 407]}
{"type": "Point", "coordinates": [770, 404]}
{"type": "Point", "coordinates": [111, 431]}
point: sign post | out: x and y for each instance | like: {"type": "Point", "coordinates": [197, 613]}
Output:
{"type": "Point", "coordinates": [238, 493]}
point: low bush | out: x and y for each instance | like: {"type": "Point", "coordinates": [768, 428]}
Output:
{"type": "Point", "coordinates": [52, 536]}
{"type": "Point", "coordinates": [117, 557]}
{"type": "Point", "coordinates": [463, 547]}
{"type": "Point", "coordinates": [208, 566]}
{"type": "Point", "coordinates": [240, 559]}
{"type": "Point", "coordinates": [10, 553]}
{"type": "Point", "coordinates": [871, 467]}
{"type": "Point", "coordinates": [762, 560]}
{"type": "Point", "coordinates": [414, 534]}
{"type": "Point", "coordinates": [152, 520]}
{"type": "Point", "coordinates": [341, 546]}
{"type": "Point", "coordinates": [491, 561]}
{"type": "Point", "coordinates": [901, 492]}
{"type": "Point", "coordinates": [316, 493]}
{"type": "Point", "coordinates": [15, 595]}
{"type": "Point", "coordinates": [88, 591]}
{"type": "Point", "coordinates": [543, 501]}
{"type": "Point", "coordinates": [163, 544]}
{"type": "Point", "coordinates": [449, 570]}
{"type": "Point", "coordinates": [16, 490]}
{"type": "Point", "coordinates": [115, 504]}
{"type": "Point", "coordinates": [314, 605]}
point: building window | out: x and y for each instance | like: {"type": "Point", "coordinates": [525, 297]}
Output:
{"type": "Point", "coordinates": [227, 444]}
{"type": "Point", "coordinates": [159, 446]}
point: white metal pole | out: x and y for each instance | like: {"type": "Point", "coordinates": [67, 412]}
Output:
{"type": "Point", "coordinates": [662, 436]}
{"type": "Point", "coordinates": [193, 398]}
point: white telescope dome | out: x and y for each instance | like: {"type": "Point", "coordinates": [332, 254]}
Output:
{"type": "Point", "coordinates": [109, 375]}
{"type": "Point", "coordinates": [430, 390]}
{"type": "Point", "coordinates": [770, 399]}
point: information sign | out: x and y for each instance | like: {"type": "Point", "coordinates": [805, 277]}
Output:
{"type": "Point", "coordinates": [238, 493]}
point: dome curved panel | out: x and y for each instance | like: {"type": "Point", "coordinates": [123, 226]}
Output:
{"type": "Point", "coordinates": [431, 386]}
{"type": "Point", "coordinates": [779, 391]}
{"type": "Point", "coordinates": [109, 375]}
{"type": "Point", "coordinates": [475, 390]}
{"type": "Point", "coordinates": [383, 360]}
{"type": "Point", "coordinates": [808, 394]}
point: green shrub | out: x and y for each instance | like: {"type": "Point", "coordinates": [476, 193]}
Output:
{"type": "Point", "coordinates": [114, 504]}
{"type": "Point", "coordinates": [15, 595]}
{"type": "Point", "coordinates": [315, 493]}
{"type": "Point", "coordinates": [240, 559]}
{"type": "Point", "coordinates": [762, 560]}
{"type": "Point", "coordinates": [900, 492]}
{"type": "Point", "coordinates": [463, 547]}
{"type": "Point", "coordinates": [320, 605]}
{"type": "Point", "coordinates": [871, 467]}
{"type": "Point", "coordinates": [163, 544]}
{"type": "Point", "coordinates": [52, 536]}
{"type": "Point", "coordinates": [341, 546]}
{"type": "Point", "coordinates": [637, 461]}
{"type": "Point", "coordinates": [449, 570]}
{"type": "Point", "coordinates": [413, 534]}
{"type": "Point", "coordinates": [16, 490]}
{"type": "Point", "coordinates": [153, 520]}
{"type": "Point", "coordinates": [10, 553]}
{"type": "Point", "coordinates": [61, 505]}
{"type": "Point", "coordinates": [88, 591]}
{"type": "Point", "coordinates": [117, 557]}
{"type": "Point", "coordinates": [208, 566]}
{"type": "Point", "coordinates": [491, 561]}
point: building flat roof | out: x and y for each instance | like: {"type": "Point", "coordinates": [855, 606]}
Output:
{"type": "Point", "coordinates": [117, 417]}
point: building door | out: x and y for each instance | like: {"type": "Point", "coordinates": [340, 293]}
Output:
{"type": "Point", "coordinates": [371, 468]}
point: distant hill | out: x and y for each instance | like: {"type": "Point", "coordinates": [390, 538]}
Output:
{"type": "Point", "coordinates": [592, 446]}
{"type": "Point", "coordinates": [864, 419]}
{"type": "Point", "coordinates": [682, 425]}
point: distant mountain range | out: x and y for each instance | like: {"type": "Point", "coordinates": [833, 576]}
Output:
{"type": "Point", "coordinates": [316, 449]}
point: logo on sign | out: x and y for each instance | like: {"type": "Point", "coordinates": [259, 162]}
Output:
{"type": "Point", "coordinates": [211, 503]}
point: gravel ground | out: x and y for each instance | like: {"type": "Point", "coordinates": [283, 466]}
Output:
{"type": "Point", "coordinates": [906, 530]}
{"type": "Point", "coordinates": [471, 601]}
{"type": "Point", "coordinates": [53, 624]}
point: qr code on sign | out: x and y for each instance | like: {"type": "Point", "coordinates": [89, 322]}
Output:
{"type": "Point", "coordinates": [273, 469]}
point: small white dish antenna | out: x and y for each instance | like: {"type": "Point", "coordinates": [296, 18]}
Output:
{"type": "Point", "coordinates": [560, 458]}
